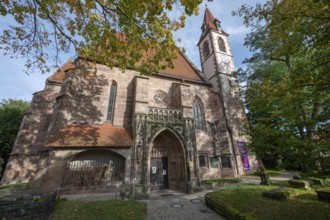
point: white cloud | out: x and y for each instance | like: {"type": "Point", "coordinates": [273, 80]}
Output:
{"type": "Point", "coordinates": [237, 31]}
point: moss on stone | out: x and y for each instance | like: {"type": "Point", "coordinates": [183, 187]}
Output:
{"type": "Point", "coordinates": [279, 194]}
{"type": "Point", "coordinates": [299, 184]}
{"type": "Point", "coordinates": [323, 193]}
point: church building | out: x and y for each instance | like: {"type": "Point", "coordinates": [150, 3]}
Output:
{"type": "Point", "coordinates": [125, 131]}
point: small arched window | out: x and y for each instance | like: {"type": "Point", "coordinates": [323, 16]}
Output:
{"type": "Point", "coordinates": [222, 46]}
{"type": "Point", "coordinates": [198, 114]}
{"type": "Point", "coordinates": [218, 25]}
{"type": "Point", "coordinates": [206, 50]}
{"type": "Point", "coordinates": [112, 97]}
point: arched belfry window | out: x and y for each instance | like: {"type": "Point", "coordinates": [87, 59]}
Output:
{"type": "Point", "coordinates": [222, 46]}
{"type": "Point", "coordinates": [206, 49]}
{"type": "Point", "coordinates": [198, 114]}
{"type": "Point", "coordinates": [112, 98]}
{"type": "Point", "coordinates": [218, 25]}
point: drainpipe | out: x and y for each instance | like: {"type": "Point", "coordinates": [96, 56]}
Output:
{"type": "Point", "coordinates": [226, 122]}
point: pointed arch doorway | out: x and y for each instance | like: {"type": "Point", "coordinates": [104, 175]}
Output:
{"type": "Point", "coordinates": [167, 163]}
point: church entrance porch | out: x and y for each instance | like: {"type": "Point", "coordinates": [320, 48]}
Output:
{"type": "Point", "coordinates": [167, 163]}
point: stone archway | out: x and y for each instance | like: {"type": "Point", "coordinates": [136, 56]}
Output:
{"type": "Point", "coordinates": [167, 163]}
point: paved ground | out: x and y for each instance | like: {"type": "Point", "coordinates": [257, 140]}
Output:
{"type": "Point", "coordinates": [172, 205]}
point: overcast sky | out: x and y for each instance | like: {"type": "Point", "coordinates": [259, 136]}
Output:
{"type": "Point", "coordinates": [14, 83]}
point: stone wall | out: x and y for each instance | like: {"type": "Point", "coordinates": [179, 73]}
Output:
{"type": "Point", "coordinates": [26, 155]}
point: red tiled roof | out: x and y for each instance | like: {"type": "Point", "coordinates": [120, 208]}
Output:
{"type": "Point", "coordinates": [182, 69]}
{"type": "Point", "coordinates": [91, 136]}
{"type": "Point", "coordinates": [209, 22]}
{"type": "Point", "coordinates": [209, 19]}
{"type": "Point", "coordinates": [59, 75]}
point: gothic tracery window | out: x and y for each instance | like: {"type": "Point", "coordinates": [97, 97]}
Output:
{"type": "Point", "coordinates": [222, 46]}
{"type": "Point", "coordinates": [112, 97]}
{"type": "Point", "coordinates": [198, 114]}
{"type": "Point", "coordinates": [206, 50]}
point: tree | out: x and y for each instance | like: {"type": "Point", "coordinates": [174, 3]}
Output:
{"type": "Point", "coordinates": [287, 92]}
{"type": "Point", "coordinates": [121, 33]}
{"type": "Point", "coordinates": [11, 115]}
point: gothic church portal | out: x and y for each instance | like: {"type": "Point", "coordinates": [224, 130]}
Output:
{"type": "Point", "coordinates": [125, 131]}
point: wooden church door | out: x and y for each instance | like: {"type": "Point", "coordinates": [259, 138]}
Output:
{"type": "Point", "coordinates": [159, 173]}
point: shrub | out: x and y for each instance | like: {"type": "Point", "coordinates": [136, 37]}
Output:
{"type": "Point", "coordinates": [299, 184]}
{"type": "Point", "coordinates": [313, 173]}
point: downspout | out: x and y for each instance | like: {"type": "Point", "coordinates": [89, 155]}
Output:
{"type": "Point", "coordinates": [226, 122]}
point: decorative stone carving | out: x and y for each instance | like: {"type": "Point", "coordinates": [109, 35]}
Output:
{"type": "Point", "coordinates": [171, 116]}
{"type": "Point", "coordinates": [189, 138]}
{"type": "Point", "coordinates": [160, 98]}
{"type": "Point", "coordinates": [139, 136]}
{"type": "Point", "coordinates": [216, 142]}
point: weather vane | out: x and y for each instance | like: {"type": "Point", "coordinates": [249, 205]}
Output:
{"type": "Point", "coordinates": [207, 1]}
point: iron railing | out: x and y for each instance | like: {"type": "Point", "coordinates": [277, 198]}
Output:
{"type": "Point", "coordinates": [87, 173]}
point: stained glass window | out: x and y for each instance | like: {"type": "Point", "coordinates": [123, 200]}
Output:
{"type": "Point", "coordinates": [198, 115]}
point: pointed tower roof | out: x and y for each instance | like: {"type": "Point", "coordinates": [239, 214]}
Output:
{"type": "Point", "coordinates": [210, 23]}
{"type": "Point", "coordinates": [209, 20]}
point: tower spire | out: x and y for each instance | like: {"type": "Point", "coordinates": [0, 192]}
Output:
{"type": "Point", "coordinates": [209, 20]}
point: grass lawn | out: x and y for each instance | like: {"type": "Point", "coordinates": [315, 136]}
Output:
{"type": "Point", "coordinates": [114, 209]}
{"type": "Point", "coordinates": [248, 200]}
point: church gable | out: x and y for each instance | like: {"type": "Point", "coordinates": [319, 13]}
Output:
{"type": "Point", "coordinates": [183, 69]}
{"type": "Point", "coordinates": [59, 75]}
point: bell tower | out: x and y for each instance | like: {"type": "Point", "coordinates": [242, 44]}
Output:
{"type": "Point", "coordinates": [215, 53]}
{"type": "Point", "coordinates": [219, 68]}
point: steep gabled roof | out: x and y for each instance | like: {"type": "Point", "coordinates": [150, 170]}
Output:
{"type": "Point", "coordinates": [185, 70]}
{"type": "Point", "coordinates": [104, 135]}
{"type": "Point", "coordinates": [59, 75]}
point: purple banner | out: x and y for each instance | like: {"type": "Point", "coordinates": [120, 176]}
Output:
{"type": "Point", "coordinates": [244, 156]}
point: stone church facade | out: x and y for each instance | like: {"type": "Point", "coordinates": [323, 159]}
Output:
{"type": "Point", "coordinates": [121, 130]}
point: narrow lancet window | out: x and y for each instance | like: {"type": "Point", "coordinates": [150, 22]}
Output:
{"type": "Point", "coordinates": [206, 50]}
{"type": "Point", "coordinates": [111, 105]}
{"type": "Point", "coordinates": [198, 115]}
